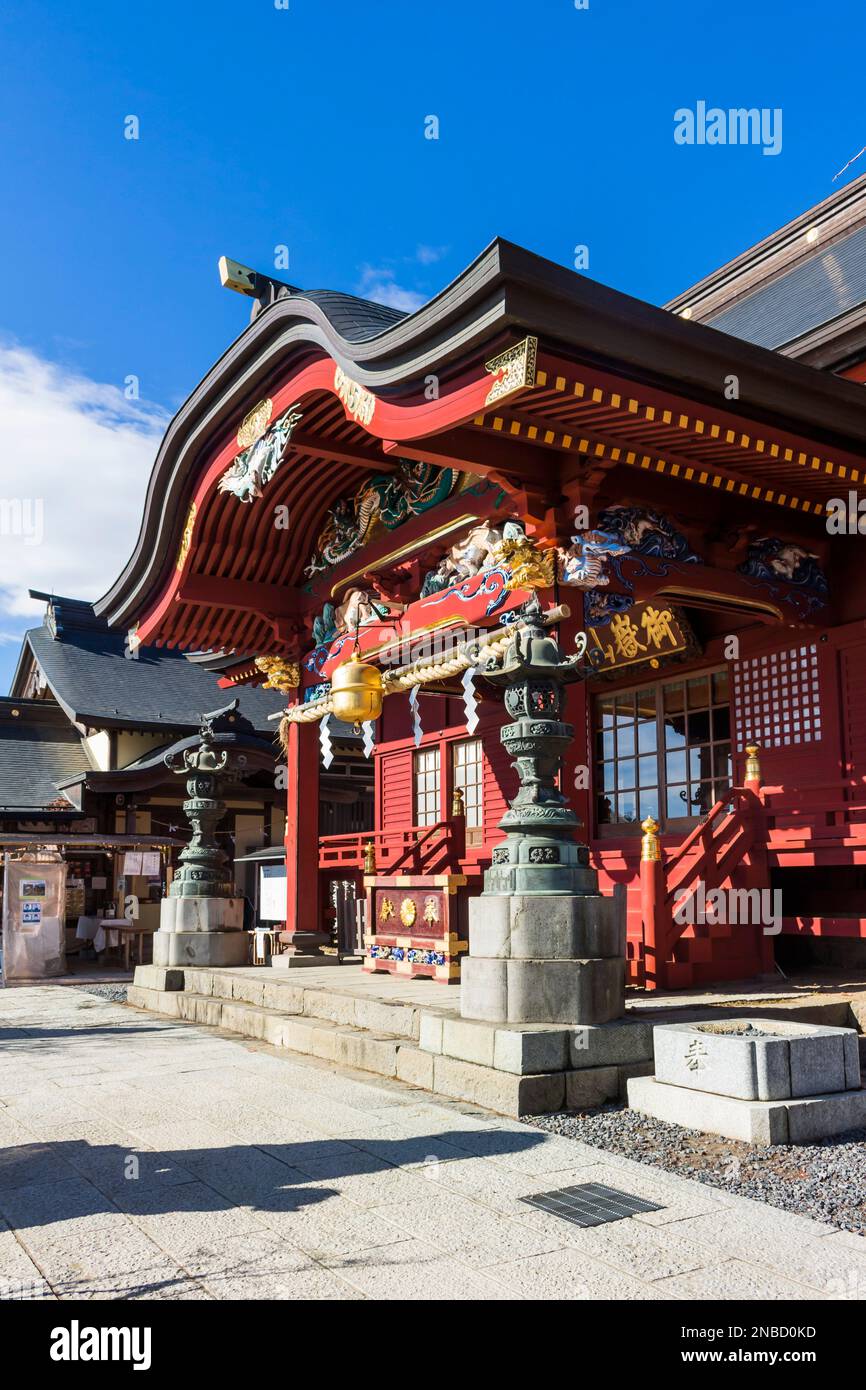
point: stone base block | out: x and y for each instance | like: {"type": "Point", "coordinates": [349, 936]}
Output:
{"type": "Point", "coordinates": [543, 991]}
{"type": "Point", "coordinates": [498, 1090]}
{"type": "Point", "coordinates": [157, 977]}
{"type": "Point", "coordinates": [562, 927]}
{"type": "Point", "coordinates": [484, 989]}
{"type": "Point", "coordinates": [201, 914]}
{"type": "Point", "coordinates": [173, 948]}
{"type": "Point", "coordinates": [530, 1048]}
{"type": "Point", "coordinates": [793, 1121]}
{"type": "Point", "coordinates": [623, 1042]}
{"type": "Point", "coordinates": [586, 1089]}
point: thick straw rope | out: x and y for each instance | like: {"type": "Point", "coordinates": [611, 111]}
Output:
{"type": "Point", "coordinates": [426, 671]}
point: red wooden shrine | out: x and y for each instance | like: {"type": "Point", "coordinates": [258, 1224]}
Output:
{"type": "Point", "coordinates": [346, 478]}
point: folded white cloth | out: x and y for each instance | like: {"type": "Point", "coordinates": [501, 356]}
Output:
{"type": "Point", "coordinates": [87, 928]}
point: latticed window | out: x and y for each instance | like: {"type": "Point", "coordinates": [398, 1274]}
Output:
{"type": "Point", "coordinates": [467, 767]}
{"type": "Point", "coordinates": [663, 750]}
{"type": "Point", "coordinates": [427, 784]}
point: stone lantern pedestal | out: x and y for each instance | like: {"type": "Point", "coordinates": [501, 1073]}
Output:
{"type": "Point", "coordinates": [201, 921]}
{"type": "Point", "coordinates": [544, 945]}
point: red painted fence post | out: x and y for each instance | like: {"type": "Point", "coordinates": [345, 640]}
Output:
{"type": "Point", "coordinates": [759, 866]}
{"type": "Point", "coordinates": [653, 891]}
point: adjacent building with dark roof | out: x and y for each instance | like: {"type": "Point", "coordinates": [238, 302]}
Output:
{"type": "Point", "coordinates": [83, 737]}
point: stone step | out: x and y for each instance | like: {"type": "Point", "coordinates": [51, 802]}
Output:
{"type": "Point", "coordinates": [287, 997]}
{"type": "Point", "coordinates": [376, 1050]}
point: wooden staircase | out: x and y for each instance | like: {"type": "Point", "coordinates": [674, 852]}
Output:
{"type": "Point", "coordinates": [687, 941]}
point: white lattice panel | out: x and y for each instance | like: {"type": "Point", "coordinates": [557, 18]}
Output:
{"type": "Point", "coordinates": [777, 698]}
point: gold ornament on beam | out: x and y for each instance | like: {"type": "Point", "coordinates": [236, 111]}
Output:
{"type": "Point", "coordinates": [186, 538]}
{"type": "Point", "coordinates": [514, 370]}
{"type": "Point", "coordinates": [359, 403]}
{"type": "Point", "coordinates": [530, 567]}
{"type": "Point", "coordinates": [281, 675]}
{"type": "Point", "coordinates": [255, 423]}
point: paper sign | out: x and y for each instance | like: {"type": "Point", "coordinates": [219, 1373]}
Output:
{"type": "Point", "coordinates": [132, 862]}
{"type": "Point", "coordinates": [272, 893]}
{"type": "Point", "coordinates": [150, 865]}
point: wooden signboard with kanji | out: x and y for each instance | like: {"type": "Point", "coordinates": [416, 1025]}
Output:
{"type": "Point", "coordinates": [646, 632]}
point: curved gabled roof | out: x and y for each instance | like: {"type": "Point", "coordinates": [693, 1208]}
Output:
{"type": "Point", "coordinates": [505, 293]}
{"type": "Point", "coordinates": [356, 320]}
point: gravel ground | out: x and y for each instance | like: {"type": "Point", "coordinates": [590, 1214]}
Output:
{"type": "Point", "coordinates": [116, 993]}
{"type": "Point", "coordinates": [825, 1180]}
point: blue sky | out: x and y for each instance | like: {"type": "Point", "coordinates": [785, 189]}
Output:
{"type": "Point", "coordinates": [262, 126]}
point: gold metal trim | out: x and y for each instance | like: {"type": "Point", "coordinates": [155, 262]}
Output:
{"type": "Point", "coordinates": [186, 538]}
{"type": "Point", "coordinates": [517, 365]}
{"type": "Point", "coordinates": [727, 600]}
{"type": "Point", "coordinates": [254, 423]}
{"type": "Point", "coordinates": [359, 403]}
{"type": "Point", "coordinates": [394, 555]}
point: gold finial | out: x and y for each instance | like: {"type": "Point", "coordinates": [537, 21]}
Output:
{"type": "Point", "coordinates": [753, 763]}
{"type": "Point", "coordinates": [369, 857]}
{"type": "Point", "coordinates": [457, 806]}
{"type": "Point", "coordinates": [650, 847]}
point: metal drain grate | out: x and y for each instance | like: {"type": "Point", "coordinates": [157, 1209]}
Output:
{"type": "Point", "coordinates": [590, 1204]}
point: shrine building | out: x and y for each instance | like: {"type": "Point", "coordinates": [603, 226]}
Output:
{"type": "Point", "coordinates": [358, 506]}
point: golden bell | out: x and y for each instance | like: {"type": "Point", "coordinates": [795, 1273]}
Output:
{"type": "Point", "coordinates": [356, 692]}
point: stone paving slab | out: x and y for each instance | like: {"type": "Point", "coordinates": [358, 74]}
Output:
{"type": "Point", "coordinates": [148, 1159]}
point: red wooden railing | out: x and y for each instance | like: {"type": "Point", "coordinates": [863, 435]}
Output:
{"type": "Point", "coordinates": [417, 849]}
{"type": "Point", "coordinates": [710, 854]}
{"type": "Point", "coordinates": [841, 803]}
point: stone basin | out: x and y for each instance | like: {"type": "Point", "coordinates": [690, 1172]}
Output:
{"type": "Point", "coordinates": [757, 1059]}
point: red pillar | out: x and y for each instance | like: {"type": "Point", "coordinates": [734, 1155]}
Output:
{"type": "Point", "coordinates": [302, 843]}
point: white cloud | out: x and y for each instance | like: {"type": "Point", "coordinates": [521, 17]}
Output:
{"type": "Point", "coordinates": [429, 255]}
{"type": "Point", "coordinates": [75, 457]}
{"type": "Point", "coordinates": [379, 285]}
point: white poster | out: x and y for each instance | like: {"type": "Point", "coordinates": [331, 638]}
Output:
{"type": "Point", "coordinates": [272, 893]}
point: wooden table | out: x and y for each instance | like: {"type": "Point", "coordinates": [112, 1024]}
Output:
{"type": "Point", "coordinates": [131, 933]}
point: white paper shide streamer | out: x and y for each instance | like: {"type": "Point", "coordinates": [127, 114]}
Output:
{"type": "Point", "coordinates": [369, 743]}
{"type": "Point", "coordinates": [416, 713]}
{"type": "Point", "coordinates": [325, 741]}
{"type": "Point", "coordinates": [470, 700]}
